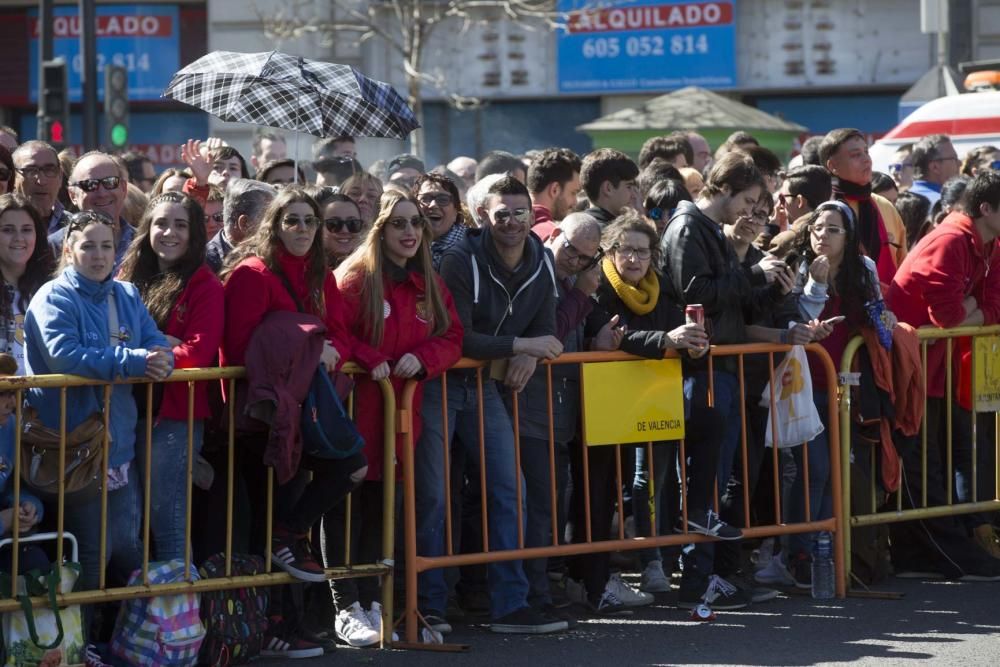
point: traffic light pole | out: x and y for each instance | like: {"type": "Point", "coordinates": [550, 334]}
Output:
{"type": "Point", "coordinates": [45, 51]}
{"type": "Point", "coordinates": [88, 50]}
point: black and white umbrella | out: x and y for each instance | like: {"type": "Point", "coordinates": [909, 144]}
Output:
{"type": "Point", "coordinates": [292, 93]}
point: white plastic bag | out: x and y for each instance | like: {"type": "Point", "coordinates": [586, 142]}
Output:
{"type": "Point", "coordinates": [797, 419]}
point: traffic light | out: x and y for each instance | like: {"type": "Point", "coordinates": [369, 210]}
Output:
{"type": "Point", "coordinates": [53, 103]}
{"type": "Point", "coordinates": [116, 105]}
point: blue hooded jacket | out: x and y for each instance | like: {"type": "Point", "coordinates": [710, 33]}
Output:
{"type": "Point", "coordinates": [66, 330]}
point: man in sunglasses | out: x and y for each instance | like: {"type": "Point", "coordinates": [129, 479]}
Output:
{"type": "Point", "coordinates": [554, 182]}
{"type": "Point", "coordinates": [99, 182]}
{"type": "Point", "coordinates": [39, 178]}
{"type": "Point", "coordinates": [502, 281]}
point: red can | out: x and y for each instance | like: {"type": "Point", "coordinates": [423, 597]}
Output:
{"type": "Point", "coordinates": [694, 313]}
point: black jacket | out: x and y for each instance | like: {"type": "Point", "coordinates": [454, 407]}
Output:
{"type": "Point", "coordinates": [495, 304]}
{"type": "Point", "coordinates": [701, 267]}
{"type": "Point", "coordinates": [216, 250]}
{"type": "Point", "coordinates": [646, 335]}
{"type": "Point", "coordinates": [603, 216]}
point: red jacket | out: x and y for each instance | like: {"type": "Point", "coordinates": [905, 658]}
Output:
{"type": "Point", "coordinates": [544, 224]}
{"type": "Point", "coordinates": [405, 330]}
{"type": "Point", "coordinates": [947, 265]}
{"type": "Point", "coordinates": [253, 291]}
{"type": "Point", "coordinates": [197, 320]}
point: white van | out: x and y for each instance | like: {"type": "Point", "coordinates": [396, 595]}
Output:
{"type": "Point", "coordinates": [971, 119]}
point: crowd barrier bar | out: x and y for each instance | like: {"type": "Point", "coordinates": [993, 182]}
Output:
{"type": "Point", "coordinates": [415, 563]}
{"type": "Point", "coordinates": [927, 336]}
{"type": "Point", "coordinates": [19, 384]}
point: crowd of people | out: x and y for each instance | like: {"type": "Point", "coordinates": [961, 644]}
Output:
{"type": "Point", "coordinates": [112, 271]}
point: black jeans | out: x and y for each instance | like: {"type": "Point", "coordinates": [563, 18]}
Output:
{"type": "Point", "coordinates": [366, 544]}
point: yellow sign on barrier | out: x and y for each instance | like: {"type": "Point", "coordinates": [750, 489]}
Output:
{"type": "Point", "coordinates": [633, 401]}
{"type": "Point", "coordinates": [987, 373]}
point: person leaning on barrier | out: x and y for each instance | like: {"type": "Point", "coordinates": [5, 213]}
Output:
{"type": "Point", "coordinates": [503, 284]}
{"type": "Point", "coordinates": [405, 327]}
{"type": "Point", "coordinates": [166, 262]}
{"type": "Point", "coordinates": [837, 285]}
{"type": "Point", "coordinates": [26, 263]}
{"type": "Point", "coordinates": [70, 329]}
{"type": "Point", "coordinates": [282, 268]}
{"type": "Point", "coordinates": [950, 279]}
{"type": "Point", "coordinates": [700, 267]}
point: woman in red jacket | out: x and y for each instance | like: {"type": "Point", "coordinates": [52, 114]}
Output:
{"type": "Point", "coordinates": [405, 326]}
{"type": "Point", "coordinates": [166, 261]}
{"type": "Point", "coordinates": [282, 267]}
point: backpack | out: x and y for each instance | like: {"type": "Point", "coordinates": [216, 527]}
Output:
{"type": "Point", "coordinates": [327, 430]}
{"type": "Point", "coordinates": [161, 631]}
{"type": "Point", "coordinates": [236, 619]}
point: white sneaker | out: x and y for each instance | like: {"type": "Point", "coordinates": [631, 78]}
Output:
{"type": "Point", "coordinates": [761, 557]}
{"type": "Point", "coordinates": [628, 595]}
{"type": "Point", "coordinates": [354, 628]}
{"type": "Point", "coordinates": [774, 573]}
{"type": "Point", "coordinates": [654, 580]}
{"type": "Point", "coordinates": [375, 620]}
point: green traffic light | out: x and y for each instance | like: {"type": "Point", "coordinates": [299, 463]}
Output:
{"type": "Point", "coordinates": [119, 134]}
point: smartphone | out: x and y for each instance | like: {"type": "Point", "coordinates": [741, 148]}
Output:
{"type": "Point", "coordinates": [835, 320]}
{"type": "Point", "coordinates": [792, 261]}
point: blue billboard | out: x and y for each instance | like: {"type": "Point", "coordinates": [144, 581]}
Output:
{"type": "Point", "coordinates": [646, 45]}
{"type": "Point", "coordinates": [143, 38]}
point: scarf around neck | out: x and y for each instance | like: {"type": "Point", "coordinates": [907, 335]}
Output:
{"type": "Point", "coordinates": [640, 300]}
{"type": "Point", "coordinates": [869, 218]}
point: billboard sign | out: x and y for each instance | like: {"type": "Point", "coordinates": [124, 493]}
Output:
{"type": "Point", "coordinates": [646, 45]}
{"type": "Point", "coordinates": [145, 39]}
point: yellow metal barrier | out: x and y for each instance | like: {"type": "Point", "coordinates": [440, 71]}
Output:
{"type": "Point", "coordinates": [230, 375]}
{"type": "Point", "coordinates": [927, 336]}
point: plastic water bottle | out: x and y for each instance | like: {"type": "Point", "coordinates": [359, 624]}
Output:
{"type": "Point", "coordinates": [822, 567]}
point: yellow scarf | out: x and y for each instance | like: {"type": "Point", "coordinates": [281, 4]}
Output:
{"type": "Point", "coordinates": [640, 300]}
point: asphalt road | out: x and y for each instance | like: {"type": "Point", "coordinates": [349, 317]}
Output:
{"type": "Point", "coordinates": [935, 622]}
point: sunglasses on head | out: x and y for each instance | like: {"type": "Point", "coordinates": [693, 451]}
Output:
{"type": "Point", "coordinates": [79, 221]}
{"type": "Point", "coordinates": [504, 215]}
{"type": "Point", "coordinates": [353, 225]}
{"type": "Point", "coordinates": [417, 222]}
{"type": "Point", "coordinates": [91, 184]}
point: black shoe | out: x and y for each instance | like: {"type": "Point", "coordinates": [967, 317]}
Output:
{"type": "Point", "coordinates": [708, 523]}
{"type": "Point", "coordinates": [527, 621]}
{"type": "Point", "coordinates": [719, 594]}
{"type": "Point", "coordinates": [559, 614]}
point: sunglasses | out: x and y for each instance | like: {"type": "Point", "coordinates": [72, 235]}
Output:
{"type": "Point", "coordinates": [353, 225]}
{"type": "Point", "coordinates": [504, 215]}
{"type": "Point", "coordinates": [658, 213]}
{"type": "Point", "coordinates": [417, 222]}
{"type": "Point", "coordinates": [91, 184]}
{"type": "Point", "coordinates": [585, 262]}
{"type": "Point", "coordinates": [48, 171]}
{"type": "Point", "coordinates": [216, 217]}
{"type": "Point", "coordinates": [440, 198]}
{"type": "Point", "coordinates": [291, 222]}
{"type": "Point", "coordinates": [79, 221]}
{"type": "Point", "coordinates": [995, 165]}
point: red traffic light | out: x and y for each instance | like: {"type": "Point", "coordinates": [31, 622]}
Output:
{"type": "Point", "coordinates": [56, 131]}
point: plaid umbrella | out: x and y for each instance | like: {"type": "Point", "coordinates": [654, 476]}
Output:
{"type": "Point", "coordinates": [292, 93]}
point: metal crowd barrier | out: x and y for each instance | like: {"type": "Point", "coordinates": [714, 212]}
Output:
{"type": "Point", "coordinates": [382, 569]}
{"type": "Point", "coordinates": [893, 510]}
{"type": "Point", "coordinates": [416, 563]}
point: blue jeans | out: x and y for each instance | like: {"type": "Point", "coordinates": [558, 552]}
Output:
{"type": "Point", "coordinates": [699, 559]}
{"type": "Point", "coordinates": [820, 492]}
{"type": "Point", "coordinates": [538, 497]}
{"type": "Point", "coordinates": [508, 584]}
{"type": "Point", "coordinates": [665, 494]}
{"type": "Point", "coordinates": [124, 544]}
{"type": "Point", "coordinates": [168, 485]}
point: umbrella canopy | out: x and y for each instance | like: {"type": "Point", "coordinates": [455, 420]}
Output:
{"type": "Point", "coordinates": [292, 93]}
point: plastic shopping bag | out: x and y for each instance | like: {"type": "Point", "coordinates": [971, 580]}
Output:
{"type": "Point", "coordinates": [796, 420]}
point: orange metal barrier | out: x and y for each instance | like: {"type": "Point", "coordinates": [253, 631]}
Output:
{"type": "Point", "coordinates": [416, 563]}
{"type": "Point", "coordinates": [19, 385]}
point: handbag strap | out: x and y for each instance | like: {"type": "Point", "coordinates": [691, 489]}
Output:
{"type": "Point", "coordinates": [114, 329]}
{"type": "Point", "coordinates": [291, 292]}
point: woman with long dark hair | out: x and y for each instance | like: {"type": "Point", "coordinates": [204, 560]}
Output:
{"type": "Point", "coordinates": [26, 264]}
{"type": "Point", "coordinates": [405, 326]}
{"type": "Point", "coordinates": [166, 262]}
{"type": "Point", "coordinates": [282, 267]}
{"type": "Point", "coordinates": [343, 228]}
{"type": "Point", "coordinates": [837, 283]}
